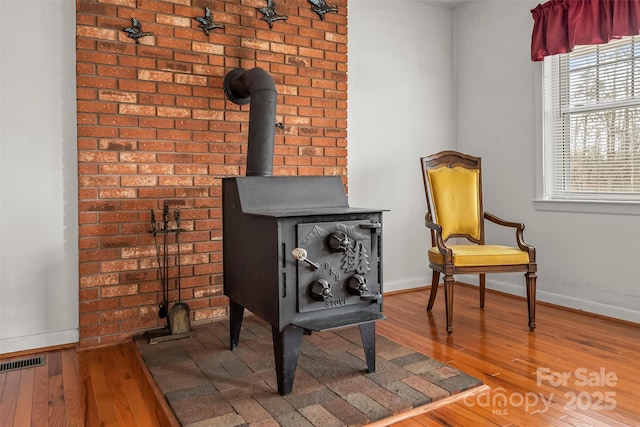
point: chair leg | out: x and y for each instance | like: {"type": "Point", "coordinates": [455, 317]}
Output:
{"type": "Point", "coordinates": [531, 298]}
{"type": "Point", "coordinates": [448, 296]}
{"type": "Point", "coordinates": [482, 286]}
{"type": "Point", "coordinates": [435, 278]}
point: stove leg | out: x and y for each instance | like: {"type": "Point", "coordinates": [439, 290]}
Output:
{"type": "Point", "coordinates": [286, 345]}
{"type": "Point", "coordinates": [236, 311]}
{"type": "Point", "coordinates": [368, 334]}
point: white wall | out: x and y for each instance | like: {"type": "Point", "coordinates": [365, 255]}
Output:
{"type": "Point", "coordinates": [38, 175]}
{"type": "Point", "coordinates": [585, 261]}
{"type": "Point", "coordinates": [400, 108]}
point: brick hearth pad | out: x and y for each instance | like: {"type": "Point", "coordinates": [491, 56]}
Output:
{"type": "Point", "coordinates": [206, 384]}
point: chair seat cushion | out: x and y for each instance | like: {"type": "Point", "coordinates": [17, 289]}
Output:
{"type": "Point", "coordinates": [479, 255]}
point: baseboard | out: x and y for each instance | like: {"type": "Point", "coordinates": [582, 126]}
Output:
{"type": "Point", "coordinates": [30, 342]}
{"type": "Point", "coordinates": [404, 285]}
{"type": "Point", "coordinates": [578, 304]}
{"type": "Point", "coordinates": [34, 351]}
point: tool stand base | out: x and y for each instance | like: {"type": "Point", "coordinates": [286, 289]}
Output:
{"type": "Point", "coordinates": [155, 336]}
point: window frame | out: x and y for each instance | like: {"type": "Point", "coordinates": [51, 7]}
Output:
{"type": "Point", "coordinates": [546, 200]}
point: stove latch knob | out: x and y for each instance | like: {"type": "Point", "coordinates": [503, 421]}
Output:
{"type": "Point", "coordinates": [300, 254]}
{"type": "Point", "coordinates": [339, 242]}
{"type": "Point", "coordinates": [320, 290]}
{"type": "Point", "coordinates": [357, 285]}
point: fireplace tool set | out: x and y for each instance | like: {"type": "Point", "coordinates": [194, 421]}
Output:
{"type": "Point", "coordinates": [178, 324]}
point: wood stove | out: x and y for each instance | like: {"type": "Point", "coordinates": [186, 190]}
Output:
{"type": "Point", "coordinates": [294, 252]}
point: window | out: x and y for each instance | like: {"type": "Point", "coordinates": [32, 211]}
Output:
{"type": "Point", "coordinates": [591, 120]}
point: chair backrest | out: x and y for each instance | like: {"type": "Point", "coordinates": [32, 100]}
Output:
{"type": "Point", "coordinates": [453, 186]}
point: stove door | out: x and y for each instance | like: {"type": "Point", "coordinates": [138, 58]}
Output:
{"type": "Point", "coordinates": [339, 265]}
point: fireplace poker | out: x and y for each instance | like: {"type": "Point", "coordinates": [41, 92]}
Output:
{"type": "Point", "coordinates": [165, 255]}
{"type": "Point", "coordinates": [178, 244]}
{"type": "Point", "coordinates": [162, 309]}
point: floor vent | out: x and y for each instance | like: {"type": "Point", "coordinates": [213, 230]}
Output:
{"type": "Point", "coordinates": [14, 365]}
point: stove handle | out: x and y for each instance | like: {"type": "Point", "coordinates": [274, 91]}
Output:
{"type": "Point", "coordinates": [300, 254]}
{"type": "Point", "coordinates": [372, 298]}
{"type": "Point", "coordinates": [372, 226]}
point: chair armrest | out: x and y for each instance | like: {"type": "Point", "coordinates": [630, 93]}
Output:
{"type": "Point", "coordinates": [432, 225]}
{"type": "Point", "coordinates": [436, 239]}
{"type": "Point", "coordinates": [497, 220]}
{"type": "Point", "coordinates": [519, 233]}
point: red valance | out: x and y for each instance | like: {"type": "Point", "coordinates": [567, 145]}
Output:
{"type": "Point", "coordinates": [559, 25]}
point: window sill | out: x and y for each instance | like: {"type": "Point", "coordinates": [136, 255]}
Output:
{"type": "Point", "coordinates": [591, 206]}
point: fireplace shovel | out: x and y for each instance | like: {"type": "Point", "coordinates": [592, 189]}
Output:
{"type": "Point", "coordinates": [179, 313]}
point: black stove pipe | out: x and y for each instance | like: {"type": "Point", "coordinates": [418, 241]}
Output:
{"type": "Point", "coordinates": [256, 86]}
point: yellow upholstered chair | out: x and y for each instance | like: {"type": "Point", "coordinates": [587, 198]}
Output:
{"type": "Point", "coordinates": [453, 186]}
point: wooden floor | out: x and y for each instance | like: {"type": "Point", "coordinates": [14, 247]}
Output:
{"type": "Point", "coordinates": [575, 370]}
{"type": "Point", "coordinates": [45, 395]}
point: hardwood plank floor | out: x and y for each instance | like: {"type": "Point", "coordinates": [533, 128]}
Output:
{"type": "Point", "coordinates": [45, 395]}
{"type": "Point", "coordinates": [575, 370]}
{"type": "Point", "coordinates": [119, 390]}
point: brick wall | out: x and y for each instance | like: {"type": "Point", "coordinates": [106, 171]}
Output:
{"type": "Point", "coordinates": [154, 127]}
